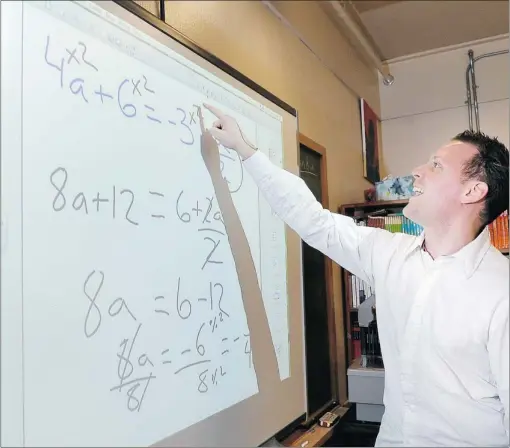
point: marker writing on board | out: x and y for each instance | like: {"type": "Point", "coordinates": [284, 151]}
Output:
{"type": "Point", "coordinates": [59, 67]}
{"type": "Point", "coordinates": [212, 376]}
{"type": "Point", "coordinates": [80, 201]}
{"type": "Point", "coordinates": [197, 357]}
{"type": "Point", "coordinates": [133, 95]}
{"type": "Point", "coordinates": [102, 94]}
{"type": "Point", "coordinates": [205, 210]}
{"type": "Point", "coordinates": [93, 309]}
{"type": "Point", "coordinates": [136, 368]}
{"type": "Point", "coordinates": [215, 289]}
{"type": "Point", "coordinates": [159, 195]}
{"type": "Point", "coordinates": [215, 241]}
{"type": "Point", "coordinates": [217, 94]}
{"type": "Point", "coordinates": [125, 200]}
{"type": "Point", "coordinates": [93, 318]}
{"type": "Point", "coordinates": [125, 370]}
{"type": "Point", "coordinates": [211, 235]}
{"type": "Point", "coordinates": [134, 98]}
{"type": "Point", "coordinates": [126, 353]}
{"type": "Point", "coordinates": [182, 303]}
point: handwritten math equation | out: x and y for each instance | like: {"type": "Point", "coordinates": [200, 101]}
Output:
{"type": "Point", "coordinates": [133, 98]}
{"type": "Point", "coordinates": [123, 96]}
{"type": "Point", "coordinates": [137, 369]}
{"type": "Point", "coordinates": [122, 203]}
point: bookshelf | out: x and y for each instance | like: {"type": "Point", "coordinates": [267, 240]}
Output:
{"type": "Point", "coordinates": [498, 230]}
{"type": "Point", "coordinates": [351, 285]}
{"type": "Point", "coordinates": [388, 214]}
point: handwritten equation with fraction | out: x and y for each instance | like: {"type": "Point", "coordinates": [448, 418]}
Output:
{"type": "Point", "coordinates": [137, 368]}
{"type": "Point", "coordinates": [121, 202]}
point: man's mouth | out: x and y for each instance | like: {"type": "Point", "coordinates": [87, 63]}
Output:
{"type": "Point", "coordinates": [417, 191]}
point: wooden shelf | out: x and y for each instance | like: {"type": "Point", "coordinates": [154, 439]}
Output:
{"type": "Point", "coordinates": [315, 436]}
{"type": "Point", "coordinates": [356, 366]}
{"type": "Point", "coordinates": [373, 205]}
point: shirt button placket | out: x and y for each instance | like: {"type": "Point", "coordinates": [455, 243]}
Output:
{"type": "Point", "coordinates": [410, 350]}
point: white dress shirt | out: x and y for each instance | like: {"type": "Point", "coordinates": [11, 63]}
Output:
{"type": "Point", "coordinates": [443, 323]}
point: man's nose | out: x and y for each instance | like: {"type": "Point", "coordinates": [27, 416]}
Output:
{"type": "Point", "coordinates": [416, 173]}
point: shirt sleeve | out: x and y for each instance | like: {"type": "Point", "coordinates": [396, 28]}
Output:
{"type": "Point", "coordinates": [335, 235]}
{"type": "Point", "coordinates": [498, 347]}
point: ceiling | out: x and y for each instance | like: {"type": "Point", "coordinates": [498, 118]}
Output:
{"type": "Point", "coordinates": [402, 28]}
{"type": "Point", "coordinates": [368, 5]}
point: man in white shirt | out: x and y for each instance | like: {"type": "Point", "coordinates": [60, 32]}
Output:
{"type": "Point", "coordinates": [442, 298]}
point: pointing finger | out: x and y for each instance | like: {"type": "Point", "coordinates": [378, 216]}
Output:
{"type": "Point", "coordinates": [218, 113]}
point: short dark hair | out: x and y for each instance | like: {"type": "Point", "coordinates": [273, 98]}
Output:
{"type": "Point", "coordinates": [489, 165]}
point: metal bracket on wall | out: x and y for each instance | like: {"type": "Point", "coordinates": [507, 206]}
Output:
{"type": "Point", "coordinates": [471, 93]}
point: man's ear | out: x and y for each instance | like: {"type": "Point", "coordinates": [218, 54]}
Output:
{"type": "Point", "coordinates": [475, 191]}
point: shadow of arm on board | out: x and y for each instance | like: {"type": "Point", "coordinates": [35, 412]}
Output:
{"type": "Point", "coordinates": [262, 347]}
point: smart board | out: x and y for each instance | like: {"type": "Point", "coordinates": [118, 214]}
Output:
{"type": "Point", "coordinates": [148, 297]}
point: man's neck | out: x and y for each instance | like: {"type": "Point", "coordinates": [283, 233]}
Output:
{"type": "Point", "coordinates": [449, 238]}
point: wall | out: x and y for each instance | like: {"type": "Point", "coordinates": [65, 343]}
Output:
{"type": "Point", "coordinates": [246, 35]}
{"type": "Point", "coordinates": [425, 106]}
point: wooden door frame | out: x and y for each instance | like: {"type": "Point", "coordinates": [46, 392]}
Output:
{"type": "Point", "coordinates": [321, 150]}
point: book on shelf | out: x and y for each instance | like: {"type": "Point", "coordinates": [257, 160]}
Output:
{"type": "Point", "coordinates": [398, 223]}
{"type": "Point", "coordinates": [498, 230]}
{"type": "Point", "coordinates": [360, 290]}
{"type": "Point", "coordinates": [366, 345]}
{"type": "Point", "coordinates": [356, 340]}
{"type": "Point", "coordinates": [393, 222]}
{"type": "Point", "coordinates": [371, 355]}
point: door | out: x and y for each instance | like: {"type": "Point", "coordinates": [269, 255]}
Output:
{"type": "Point", "coordinates": [320, 388]}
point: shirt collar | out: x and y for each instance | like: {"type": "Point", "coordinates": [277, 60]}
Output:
{"type": "Point", "coordinates": [470, 255]}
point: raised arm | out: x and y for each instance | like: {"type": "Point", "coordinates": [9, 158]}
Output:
{"type": "Point", "coordinates": [335, 235]}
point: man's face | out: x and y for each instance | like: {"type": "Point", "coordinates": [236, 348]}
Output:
{"type": "Point", "coordinates": [440, 192]}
